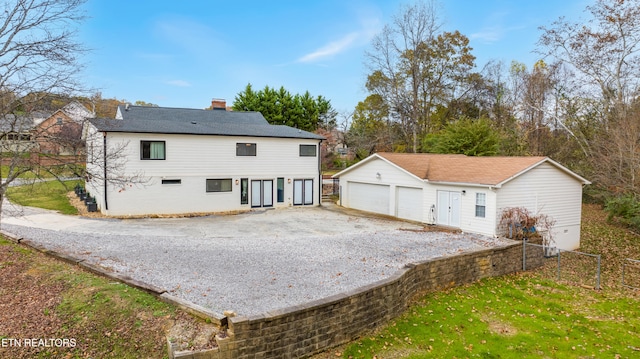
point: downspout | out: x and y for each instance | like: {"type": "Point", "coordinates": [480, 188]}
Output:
{"type": "Point", "coordinates": [320, 172]}
{"type": "Point", "coordinates": [104, 157]}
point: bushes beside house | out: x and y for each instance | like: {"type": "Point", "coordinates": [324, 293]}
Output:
{"type": "Point", "coordinates": [624, 209]}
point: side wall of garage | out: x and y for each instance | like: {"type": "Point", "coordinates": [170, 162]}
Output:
{"type": "Point", "coordinates": [550, 191]}
{"type": "Point", "coordinates": [379, 187]}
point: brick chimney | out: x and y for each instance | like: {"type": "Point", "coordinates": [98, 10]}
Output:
{"type": "Point", "coordinates": [218, 104]}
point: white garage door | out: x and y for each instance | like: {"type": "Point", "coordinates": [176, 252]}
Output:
{"type": "Point", "coordinates": [409, 203]}
{"type": "Point", "coordinates": [369, 197]}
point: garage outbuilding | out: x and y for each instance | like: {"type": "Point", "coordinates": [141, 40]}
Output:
{"type": "Point", "coordinates": [465, 192]}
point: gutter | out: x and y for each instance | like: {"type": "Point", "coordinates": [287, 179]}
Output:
{"type": "Point", "coordinates": [465, 184]}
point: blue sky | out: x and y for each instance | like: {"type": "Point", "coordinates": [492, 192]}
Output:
{"type": "Point", "coordinates": [184, 53]}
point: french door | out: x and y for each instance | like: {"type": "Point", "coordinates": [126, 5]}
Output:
{"type": "Point", "coordinates": [302, 192]}
{"type": "Point", "coordinates": [449, 208]}
{"type": "Point", "coordinates": [261, 193]}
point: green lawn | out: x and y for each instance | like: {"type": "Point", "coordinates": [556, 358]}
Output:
{"type": "Point", "coordinates": [517, 316]}
{"type": "Point", "coordinates": [68, 170]}
{"type": "Point", "coordinates": [525, 315]}
{"type": "Point", "coordinates": [48, 195]}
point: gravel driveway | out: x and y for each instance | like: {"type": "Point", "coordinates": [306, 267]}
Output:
{"type": "Point", "coordinates": [250, 263]}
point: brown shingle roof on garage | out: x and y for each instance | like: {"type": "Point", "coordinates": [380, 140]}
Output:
{"type": "Point", "coordinates": [461, 168]}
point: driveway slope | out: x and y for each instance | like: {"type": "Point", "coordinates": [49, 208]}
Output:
{"type": "Point", "coordinates": [250, 263]}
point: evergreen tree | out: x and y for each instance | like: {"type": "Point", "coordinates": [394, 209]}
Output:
{"type": "Point", "coordinates": [279, 107]}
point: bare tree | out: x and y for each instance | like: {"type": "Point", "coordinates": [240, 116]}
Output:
{"type": "Point", "coordinates": [604, 51]}
{"type": "Point", "coordinates": [39, 69]}
{"type": "Point", "coordinates": [395, 62]}
{"type": "Point", "coordinates": [370, 129]}
{"type": "Point", "coordinates": [38, 57]}
{"type": "Point", "coordinates": [416, 67]}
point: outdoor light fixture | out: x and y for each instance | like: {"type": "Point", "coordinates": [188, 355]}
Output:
{"type": "Point", "coordinates": [289, 180]}
{"type": "Point", "coordinates": [464, 192]}
{"type": "Point", "coordinates": [378, 175]}
{"type": "Point", "coordinates": [237, 181]}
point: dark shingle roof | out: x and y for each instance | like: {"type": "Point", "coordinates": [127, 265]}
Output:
{"type": "Point", "coordinates": [140, 119]}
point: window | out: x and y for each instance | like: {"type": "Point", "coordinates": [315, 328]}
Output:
{"type": "Point", "coordinates": [481, 204]}
{"type": "Point", "coordinates": [245, 149]}
{"type": "Point", "coordinates": [18, 137]}
{"type": "Point", "coordinates": [152, 150]}
{"type": "Point", "coordinates": [244, 191]}
{"type": "Point", "coordinates": [59, 120]}
{"type": "Point", "coordinates": [307, 150]}
{"type": "Point", "coordinates": [171, 181]}
{"type": "Point", "coordinates": [280, 189]}
{"type": "Point", "coordinates": [219, 185]}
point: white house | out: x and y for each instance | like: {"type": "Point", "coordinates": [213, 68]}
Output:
{"type": "Point", "coordinates": [464, 192]}
{"type": "Point", "coordinates": [194, 161]}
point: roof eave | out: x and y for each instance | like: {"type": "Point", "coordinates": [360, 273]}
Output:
{"type": "Point", "coordinates": [467, 184]}
{"type": "Point", "coordinates": [553, 163]}
{"type": "Point", "coordinates": [370, 158]}
{"type": "Point", "coordinates": [102, 129]}
{"type": "Point", "coordinates": [348, 169]}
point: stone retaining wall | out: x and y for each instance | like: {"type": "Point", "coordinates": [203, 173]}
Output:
{"type": "Point", "coordinates": [307, 329]}
{"type": "Point", "coordinates": [304, 330]}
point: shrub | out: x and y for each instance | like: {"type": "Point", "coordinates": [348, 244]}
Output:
{"type": "Point", "coordinates": [625, 209]}
{"type": "Point", "coordinates": [520, 223]}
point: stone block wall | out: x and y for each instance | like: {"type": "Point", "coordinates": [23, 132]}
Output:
{"type": "Point", "coordinates": [307, 329]}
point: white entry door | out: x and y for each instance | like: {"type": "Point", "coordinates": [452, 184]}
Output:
{"type": "Point", "coordinates": [449, 208]}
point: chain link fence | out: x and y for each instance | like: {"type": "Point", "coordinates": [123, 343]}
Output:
{"type": "Point", "coordinates": [571, 266]}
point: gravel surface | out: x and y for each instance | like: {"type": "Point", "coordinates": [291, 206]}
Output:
{"type": "Point", "coordinates": [237, 263]}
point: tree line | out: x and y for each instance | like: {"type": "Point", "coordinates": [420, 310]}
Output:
{"type": "Point", "coordinates": [578, 104]}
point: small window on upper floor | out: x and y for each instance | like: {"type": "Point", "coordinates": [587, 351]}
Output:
{"type": "Point", "coordinates": [59, 120]}
{"type": "Point", "coordinates": [308, 151]}
{"type": "Point", "coordinates": [245, 149]}
{"type": "Point", "coordinates": [152, 150]}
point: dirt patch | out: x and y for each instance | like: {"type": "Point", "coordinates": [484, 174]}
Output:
{"type": "Point", "coordinates": [81, 207]}
{"type": "Point", "coordinates": [434, 228]}
{"type": "Point", "coordinates": [500, 328]}
{"type": "Point", "coordinates": [27, 303]}
{"type": "Point", "coordinates": [192, 335]}
{"type": "Point", "coordinates": [71, 313]}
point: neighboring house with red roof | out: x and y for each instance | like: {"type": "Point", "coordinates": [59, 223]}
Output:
{"type": "Point", "coordinates": [61, 132]}
{"type": "Point", "coordinates": [465, 192]}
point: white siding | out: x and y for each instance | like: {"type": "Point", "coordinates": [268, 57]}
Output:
{"type": "Point", "coordinates": [468, 220]}
{"type": "Point", "coordinates": [193, 159]}
{"type": "Point", "coordinates": [543, 189]}
{"type": "Point", "coordinates": [546, 189]}
{"type": "Point", "coordinates": [390, 176]}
